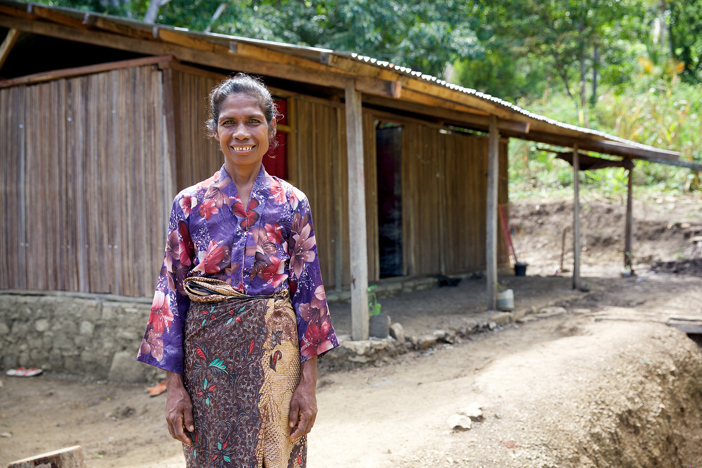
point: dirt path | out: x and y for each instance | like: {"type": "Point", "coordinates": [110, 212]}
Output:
{"type": "Point", "coordinates": [549, 389]}
{"type": "Point", "coordinates": [609, 387]}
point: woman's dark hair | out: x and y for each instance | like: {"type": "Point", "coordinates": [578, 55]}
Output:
{"type": "Point", "coordinates": [244, 84]}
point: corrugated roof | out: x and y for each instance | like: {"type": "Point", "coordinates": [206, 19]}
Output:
{"type": "Point", "coordinates": [320, 55]}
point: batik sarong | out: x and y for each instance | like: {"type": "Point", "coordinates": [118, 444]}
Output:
{"type": "Point", "coordinates": [242, 365]}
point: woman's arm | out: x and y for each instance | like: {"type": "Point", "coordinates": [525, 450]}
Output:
{"type": "Point", "coordinates": [303, 406]}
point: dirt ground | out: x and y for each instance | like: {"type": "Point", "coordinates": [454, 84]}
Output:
{"type": "Point", "coordinates": [607, 384]}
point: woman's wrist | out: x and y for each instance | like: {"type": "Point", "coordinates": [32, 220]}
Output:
{"type": "Point", "coordinates": [308, 376]}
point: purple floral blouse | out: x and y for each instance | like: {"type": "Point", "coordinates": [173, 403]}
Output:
{"type": "Point", "coordinates": [260, 250]}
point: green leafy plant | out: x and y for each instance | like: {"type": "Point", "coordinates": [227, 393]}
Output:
{"type": "Point", "coordinates": [373, 304]}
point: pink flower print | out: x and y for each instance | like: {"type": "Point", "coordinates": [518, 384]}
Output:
{"type": "Point", "coordinates": [295, 196]}
{"type": "Point", "coordinates": [205, 184]}
{"type": "Point", "coordinates": [217, 195]}
{"type": "Point", "coordinates": [302, 251]}
{"type": "Point", "coordinates": [187, 248]}
{"type": "Point", "coordinates": [277, 191]}
{"type": "Point", "coordinates": [211, 260]}
{"type": "Point", "coordinates": [315, 338]}
{"type": "Point", "coordinates": [187, 203]}
{"type": "Point", "coordinates": [274, 233]}
{"type": "Point", "coordinates": [172, 250]}
{"type": "Point", "coordinates": [274, 273]}
{"type": "Point", "coordinates": [161, 315]}
{"type": "Point", "coordinates": [208, 208]}
{"type": "Point", "coordinates": [262, 244]}
{"type": "Point", "coordinates": [320, 297]}
{"type": "Point", "coordinates": [152, 345]}
{"type": "Point", "coordinates": [299, 222]}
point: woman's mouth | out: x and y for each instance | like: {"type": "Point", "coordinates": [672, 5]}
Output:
{"type": "Point", "coordinates": [242, 149]}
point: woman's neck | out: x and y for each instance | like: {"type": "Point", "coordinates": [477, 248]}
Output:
{"type": "Point", "coordinates": [243, 178]}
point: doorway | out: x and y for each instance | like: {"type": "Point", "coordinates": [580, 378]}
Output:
{"type": "Point", "coordinates": [389, 170]}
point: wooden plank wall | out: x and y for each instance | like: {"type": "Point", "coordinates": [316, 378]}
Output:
{"type": "Point", "coordinates": [322, 168]}
{"type": "Point", "coordinates": [89, 175]}
{"type": "Point", "coordinates": [198, 155]}
{"type": "Point", "coordinates": [444, 208]}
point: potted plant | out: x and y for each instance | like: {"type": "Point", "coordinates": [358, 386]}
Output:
{"type": "Point", "coordinates": [379, 323]}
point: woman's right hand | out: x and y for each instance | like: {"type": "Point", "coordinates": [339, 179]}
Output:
{"type": "Point", "coordinates": [179, 408]}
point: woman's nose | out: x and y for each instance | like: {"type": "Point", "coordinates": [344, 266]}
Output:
{"type": "Point", "coordinates": [241, 132]}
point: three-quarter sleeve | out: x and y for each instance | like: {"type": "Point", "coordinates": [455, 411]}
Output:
{"type": "Point", "coordinates": [315, 332]}
{"type": "Point", "coordinates": [162, 345]}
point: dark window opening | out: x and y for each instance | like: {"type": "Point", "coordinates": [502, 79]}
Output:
{"type": "Point", "coordinates": [389, 165]}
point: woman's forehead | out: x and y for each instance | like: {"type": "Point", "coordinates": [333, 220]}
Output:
{"type": "Point", "coordinates": [240, 103]}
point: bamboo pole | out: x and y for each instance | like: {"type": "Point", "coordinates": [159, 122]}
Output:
{"type": "Point", "coordinates": [357, 214]}
{"type": "Point", "coordinates": [629, 231]}
{"type": "Point", "coordinates": [576, 219]}
{"type": "Point", "coordinates": [491, 231]}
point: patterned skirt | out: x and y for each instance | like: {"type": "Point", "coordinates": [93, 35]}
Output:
{"type": "Point", "coordinates": [242, 365]}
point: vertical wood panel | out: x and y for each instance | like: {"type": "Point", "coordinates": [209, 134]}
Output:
{"type": "Point", "coordinates": [94, 187]}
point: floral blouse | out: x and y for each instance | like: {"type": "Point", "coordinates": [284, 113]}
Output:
{"type": "Point", "coordinates": [260, 250]}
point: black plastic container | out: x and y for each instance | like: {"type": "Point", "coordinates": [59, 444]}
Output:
{"type": "Point", "coordinates": [520, 268]}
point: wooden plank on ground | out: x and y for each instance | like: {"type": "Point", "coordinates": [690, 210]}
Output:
{"type": "Point", "coordinates": [357, 213]}
{"type": "Point", "coordinates": [70, 457]}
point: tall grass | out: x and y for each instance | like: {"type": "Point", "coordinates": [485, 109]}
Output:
{"type": "Point", "coordinates": [664, 116]}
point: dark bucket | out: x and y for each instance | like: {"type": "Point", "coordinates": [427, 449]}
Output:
{"type": "Point", "coordinates": [520, 269]}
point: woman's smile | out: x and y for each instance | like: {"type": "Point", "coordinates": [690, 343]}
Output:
{"type": "Point", "coordinates": [243, 132]}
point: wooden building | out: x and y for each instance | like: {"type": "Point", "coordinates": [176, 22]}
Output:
{"type": "Point", "coordinates": [98, 136]}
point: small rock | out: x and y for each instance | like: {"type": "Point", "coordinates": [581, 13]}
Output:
{"type": "Point", "coordinates": [474, 411]}
{"type": "Point", "coordinates": [41, 325]}
{"type": "Point", "coordinates": [492, 325]}
{"type": "Point", "coordinates": [502, 318]}
{"type": "Point", "coordinates": [459, 422]}
{"type": "Point", "coordinates": [397, 332]}
{"type": "Point", "coordinates": [86, 328]}
{"type": "Point", "coordinates": [440, 334]}
{"type": "Point", "coordinates": [581, 311]}
{"type": "Point", "coordinates": [550, 311]}
{"type": "Point", "coordinates": [358, 347]}
{"type": "Point", "coordinates": [510, 444]}
{"type": "Point", "coordinates": [427, 341]}
{"type": "Point", "coordinates": [6, 435]}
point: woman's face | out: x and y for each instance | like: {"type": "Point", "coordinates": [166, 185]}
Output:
{"type": "Point", "coordinates": [242, 132]}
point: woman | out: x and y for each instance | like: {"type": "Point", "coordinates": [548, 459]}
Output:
{"type": "Point", "coordinates": [240, 315]}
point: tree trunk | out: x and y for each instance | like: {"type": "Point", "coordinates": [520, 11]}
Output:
{"type": "Point", "coordinates": [595, 65]}
{"type": "Point", "coordinates": [152, 11]}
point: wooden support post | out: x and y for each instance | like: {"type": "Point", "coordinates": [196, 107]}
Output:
{"type": "Point", "coordinates": [7, 44]}
{"type": "Point", "coordinates": [576, 219]}
{"type": "Point", "coordinates": [71, 457]}
{"type": "Point", "coordinates": [357, 214]}
{"type": "Point", "coordinates": [629, 231]}
{"type": "Point", "coordinates": [491, 234]}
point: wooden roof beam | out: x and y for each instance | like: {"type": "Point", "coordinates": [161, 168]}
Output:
{"type": "Point", "coordinates": [599, 146]}
{"type": "Point", "coordinates": [457, 118]}
{"type": "Point", "coordinates": [202, 57]}
{"type": "Point", "coordinates": [7, 45]}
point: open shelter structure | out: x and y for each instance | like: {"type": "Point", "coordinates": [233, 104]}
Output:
{"type": "Point", "coordinates": [102, 123]}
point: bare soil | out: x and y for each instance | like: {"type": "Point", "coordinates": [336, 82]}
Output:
{"type": "Point", "coordinates": [607, 384]}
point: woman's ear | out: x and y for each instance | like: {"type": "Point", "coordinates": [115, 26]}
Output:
{"type": "Point", "coordinates": [272, 129]}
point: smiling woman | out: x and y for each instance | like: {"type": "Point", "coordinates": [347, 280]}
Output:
{"type": "Point", "coordinates": [240, 313]}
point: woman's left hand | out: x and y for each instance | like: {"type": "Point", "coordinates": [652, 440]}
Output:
{"type": "Point", "coordinates": [303, 406]}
